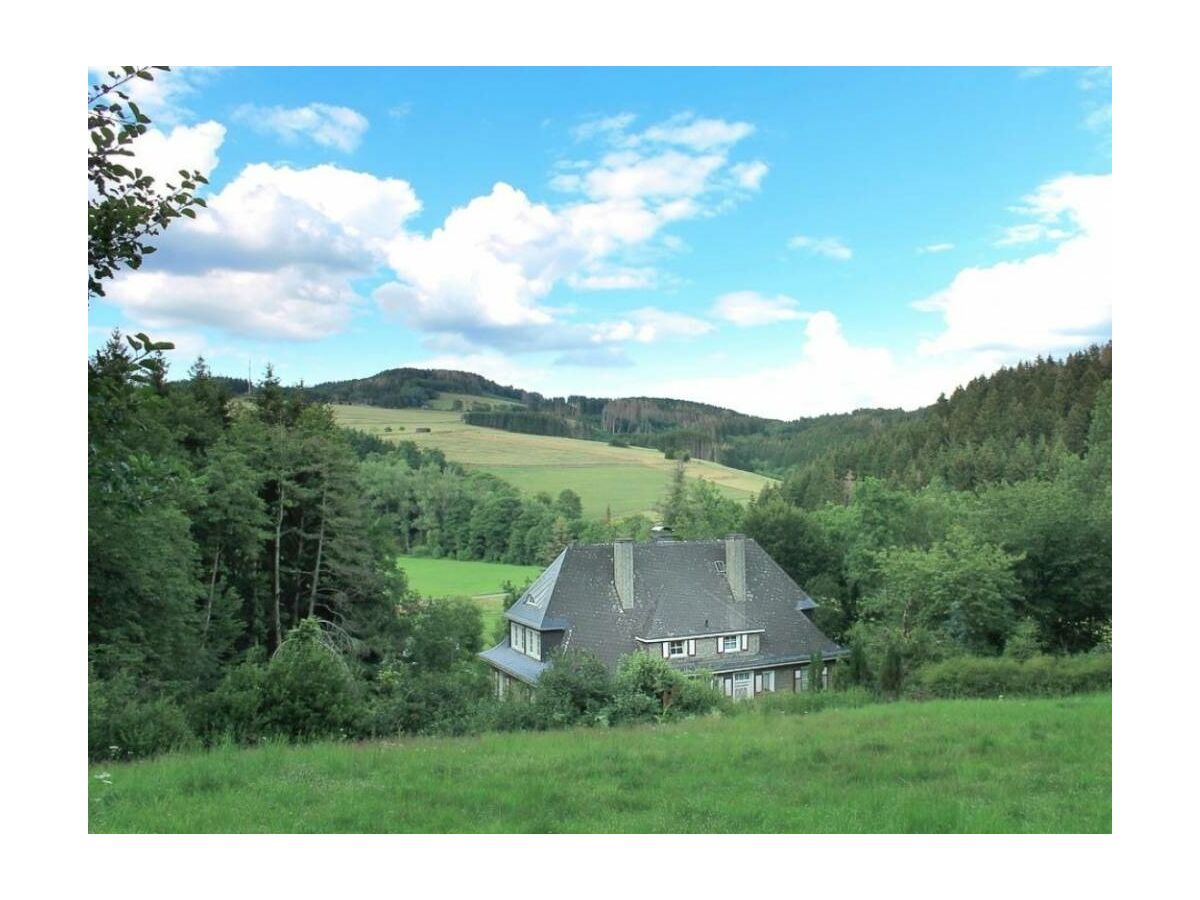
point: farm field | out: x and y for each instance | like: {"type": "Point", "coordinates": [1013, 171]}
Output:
{"type": "Point", "coordinates": [626, 480]}
{"type": "Point", "coordinates": [1041, 765]}
{"type": "Point", "coordinates": [479, 580]}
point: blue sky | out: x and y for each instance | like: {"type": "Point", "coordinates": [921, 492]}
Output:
{"type": "Point", "coordinates": [785, 242]}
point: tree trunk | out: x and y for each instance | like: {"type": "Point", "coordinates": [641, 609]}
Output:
{"type": "Point", "coordinates": [277, 625]}
{"type": "Point", "coordinates": [312, 597]}
{"type": "Point", "coordinates": [212, 588]}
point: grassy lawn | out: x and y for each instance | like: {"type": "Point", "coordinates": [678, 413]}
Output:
{"type": "Point", "coordinates": [945, 766]}
{"type": "Point", "coordinates": [627, 479]}
{"type": "Point", "coordinates": [479, 580]}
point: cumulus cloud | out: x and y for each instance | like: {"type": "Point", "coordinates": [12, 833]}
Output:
{"type": "Point", "coordinates": [749, 308]}
{"type": "Point", "coordinates": [274, 255]}
{"type": "Point", "coordinates": [486, 273]}
{"type": "Point", "coordinates": [338, 127]}
{"type": "Point", "coordinates": [831, 248]}
{"type": "Point", "coordinates": [1048, 302]}
{"type": "Point", "coordinates": [163, 154]}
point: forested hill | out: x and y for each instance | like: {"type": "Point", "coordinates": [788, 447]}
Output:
{"type": "Point", "coordinates": [1015, 424]}
{"type": "Point", "coordinates": [1005, 426]}
{"type": "Point", "coordinates": [402, 388]}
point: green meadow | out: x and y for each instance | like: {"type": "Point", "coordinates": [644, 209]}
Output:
{"type": "Point", "coordinates": [1041, 765]}
{"type": "Point", "coordinates": [478, 580]}
{"type": "Point", "coordinates": [623, 480]}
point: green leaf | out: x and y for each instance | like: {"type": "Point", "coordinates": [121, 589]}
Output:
{"type": "Point", "coordinates": [132, 343]}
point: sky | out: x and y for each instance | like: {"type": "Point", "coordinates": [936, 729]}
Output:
{"type": "Point", "coordinates": [785, 242]}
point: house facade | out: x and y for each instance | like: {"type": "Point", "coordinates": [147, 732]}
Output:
{"type": "Point", "coordinates": [722, 606]}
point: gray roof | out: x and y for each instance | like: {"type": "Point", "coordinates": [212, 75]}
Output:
{"type": "Point", "coordinates": [678, 591]}
{"type": "Point", "coordinates": [520, 666]}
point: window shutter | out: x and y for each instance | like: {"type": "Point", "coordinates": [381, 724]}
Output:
{"type": "Point", "coordinates": [745, 642]}
{"type": "Point", "coordinates": [666, 649]}
{"type": "Point", "coordinates": [757, 682]}
{"type": "Point", "coordinates": [692, 647]}
{"type": "Point", "coordinates": [720, 645]}
{"type": "Point", "coordinates": [728, 685]}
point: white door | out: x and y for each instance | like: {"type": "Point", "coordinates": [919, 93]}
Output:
{"type": "Point", "coordinates": [743, 686]}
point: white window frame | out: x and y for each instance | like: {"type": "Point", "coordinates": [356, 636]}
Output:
{"type": "Point", "coordinates": [768, 681]}
{"type": "Point", "coordinates": [516, 637]}
{"type": "Point", "coordinates": [737, 643]}
{"type": "Point", "coordinates": [533, 643]}
{"type": "Point", "coordinates": [802, 678]}
{"type": "Point", "coordinates": [671, 645]}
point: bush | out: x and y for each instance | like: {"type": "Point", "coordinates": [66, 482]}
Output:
{"type": "Point", "coordinates": [409, 701]}
{"type": "Point", "coordinates": [123, 724]}
{"type": "Point", "coordinates": [647, 687]}
{"type": "Point", "coordinates": [618, 442]}
{"type": "Point", "coordinates": [575, 688]}
{"type": "Point", "coordinates": [233, 710]}
{"type": "Point", "coordinates": [973, 676]}
{"type": "Point", "coordinates": [308, 691]}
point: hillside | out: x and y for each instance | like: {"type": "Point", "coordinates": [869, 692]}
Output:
{"type": "Point", "coordinates": [944, 766]}
{"type": "Point", "coordinates": [620, 480]}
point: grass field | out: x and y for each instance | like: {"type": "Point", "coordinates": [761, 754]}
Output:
{"type": "Point", "coordinates": [626, 479]}
{"type": "Point", "coordinates": [478, 580]}
{"type": "Point", "coordinates": [943, 766]}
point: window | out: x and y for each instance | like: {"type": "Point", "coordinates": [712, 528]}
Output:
{"type": "Point", "coordinates": [514, 637]}
{"type": "Point", "coordinates": [533, 643]}
{"type": "Point", "coordinates": [676, 648]}
{"type": "Point", "coordinates": [802, 679]}
{"type": "Point", "coordinates": [768, 681]}
{"type": "Point", "coordinates": [719, 565]}
{"type": "Point", "coordinates": [731, 643]}
{"type": "Point", "coordinates": [824, 678]}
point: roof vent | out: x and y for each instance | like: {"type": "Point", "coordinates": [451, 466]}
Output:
{"type": "Point", "coordinates": [661, 533]}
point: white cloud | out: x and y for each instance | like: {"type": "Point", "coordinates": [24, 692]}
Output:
{"type": "Point", "coordinates": [830, 375]}
{"type": "Point", "coordinates": [274, 255]}
{"type": "Point", "coordinates": [650, 324]}
{"type": "Point", "coordinates": [935, 248]}
{"type": "Point", "coordinates": [749, 308]}
{"type": "Point", "coordinates": [338, 127]}
{"type": "Point", "coordinates": [614, 278]}
{"type": "Point", "coordinates": [164, 98]}
{"type": "Point", "coordinates": [1028, 232]}
{"type": "Point", "coordinates": [829, 247]}
{"type": "Point", "coordinates": [1052, 301]}
{"type": "Point", "coordinates": [1033, 71]}
{"type": "Point", "coordinates": [191, 147]}
{"type": "Point", "coordinates": [749, 175]}
{"type": "Point", "coordinates": [687, 130]}
{"type": "Point", "coordinates": [603, 126]}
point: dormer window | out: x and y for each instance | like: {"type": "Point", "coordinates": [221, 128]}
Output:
{"type": "Point", "coordinates": [525, 640]}
{"type": "Point", "coordinates": [731, 643]}
{"type": "Point", "coordinates": [676, 648]}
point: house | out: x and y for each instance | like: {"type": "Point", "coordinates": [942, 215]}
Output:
{"type": "Point", "coordinates": [719, 606]}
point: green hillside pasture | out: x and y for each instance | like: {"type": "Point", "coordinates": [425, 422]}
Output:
{"type": "Point", "coordinates": [940, 766]}
{"type": "Point", "coordinates": [626, 479]}
{"type": "Point", "coordinates": [479, 580]}
{"type": "Point", "coordinates": [445, 400]}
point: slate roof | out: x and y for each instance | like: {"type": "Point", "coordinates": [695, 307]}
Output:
{"type": "Point", "coordinates": [678, 591]}
{"type": "Point", "coordinates": [520, 666]}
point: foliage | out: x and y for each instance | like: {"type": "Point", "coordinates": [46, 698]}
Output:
{"type": "Point", "coordinates": [308, 690]}
{"type": "Point", "coordinates": [125, 206]}
{"type": "Point", "coordinates": [575, 689]}
{"type": "Point", "coordinates": [125, 721]}
{"type": "Point", "coordinates": [968, 676]}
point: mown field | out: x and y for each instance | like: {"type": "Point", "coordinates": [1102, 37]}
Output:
{"type": "Point", "coordinates": [945, 766]}
{"type": "Point", "coordinates": [624, 479]}
{"type": "Point", "coordinates": [479, 580]}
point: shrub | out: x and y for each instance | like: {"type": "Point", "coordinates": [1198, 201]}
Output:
{"type": "Point", "coordinates": [643, 677]}
{"type": "Point", "coordinates": [233, 710]}
{"type": "Point", "coordinates": [973, 676]}
{"type": "Point", "coordinates": [409, 701]}
{"type": "Point", "coordinates": [575, 688]}
{"type": "Point", "coordinates": [308, 691]}
{"type": "Point", "coordinates": [124, 724]}
{"type": "Point", "coordinates": [618, 442]}
{"type": "Point", "coordinates": [1024, 642]}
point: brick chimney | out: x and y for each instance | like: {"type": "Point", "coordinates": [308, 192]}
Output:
{"type": "Point", "coordinates": [623, 570]}
{"type": "Point", "coordinates": [735, 565]}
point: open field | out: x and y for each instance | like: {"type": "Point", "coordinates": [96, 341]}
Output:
{"type": "Point", "coordinates": [479, 580]}
{"type": "Point", "coordinates": [626, 479]}
{"type": "Point", "coordinates": [944, 766]}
